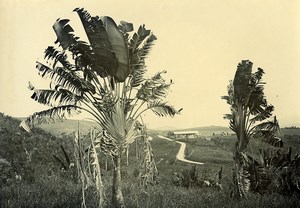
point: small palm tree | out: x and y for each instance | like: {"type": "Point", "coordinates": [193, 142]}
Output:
{"type": "Point", "coordinates": [249, 113]}
{"type": "Point", "coordinates": [105, 78]}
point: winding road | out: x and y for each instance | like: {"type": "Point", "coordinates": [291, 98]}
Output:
{"type": "Point", "coordinates": [180, 155]}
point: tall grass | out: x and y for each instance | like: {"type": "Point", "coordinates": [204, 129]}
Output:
{"type": "Point", "coordinates": [56, 192]}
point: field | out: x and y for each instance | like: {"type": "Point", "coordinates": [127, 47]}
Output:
{"type": "Point", "coordinates": [44, 184]}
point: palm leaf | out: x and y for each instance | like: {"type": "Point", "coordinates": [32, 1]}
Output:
{"type": "Point", "coordinates": [50, 115]}
{"type": "Point", "coordinates": [125, 28]}
{"type": "Point", "coordinates": [65, 79]}
{"type": "Point", "coordinates": [262, 113]}
{"type": "Point", "coordinates": [154, 88]}
{"type": "Point", "coordinates": [269, 130]}
{"type": "Point", "coordinates": [137, 77]}
{"type": "Point", "coordinates": [64, 33]}
{"type": "Point", "coordinates": [241, 81]}
{"type": "Point", "coordinates": [138, 47]}
{"type": "Point", "coordinates": [162, 108]}
{"type": "Point", "coordinates": [105, 61]}
{"type": "Point", "coordinates": [55, 97]}
{"type": "Point", "coordinates": [119, 47]}
{"type": "Point", "coordinates": [147, 46]}
{"type": "Point", "coordinates": [58, 56]}
{"type": "Point", "coordinates": [138, 38]}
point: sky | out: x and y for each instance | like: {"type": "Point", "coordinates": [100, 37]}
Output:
{"type": "Point", "coordinates": [199, 44]}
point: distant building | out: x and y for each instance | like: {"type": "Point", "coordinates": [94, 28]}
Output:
{"type": "Point", "coordinates": [184, 134]}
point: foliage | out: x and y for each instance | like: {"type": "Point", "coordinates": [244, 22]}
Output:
{"type": "Point", "coordinates": [191, 178]}
{"type": "Point", "coordinates": [55, 188]}
{"type": "Point", "coordinates": [249, 113]}
{"type": "Point", "coordinates": [249, 108]}
{"type": "Point", "coordinates": [34, 151]}
{"type": "Point", "coordinates": [275, 172]}
{"type": "Point", "coordinates": [105, 78]}
{"type": "Point", "coordinates": [148, 171]}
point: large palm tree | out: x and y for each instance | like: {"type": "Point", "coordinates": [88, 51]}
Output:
{"type": "Point", "coordinates": [104, 77]}
{"type": "Point", "coordinates": [249, 116]}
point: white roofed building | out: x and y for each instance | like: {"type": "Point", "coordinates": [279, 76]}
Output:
{"type": "Point", "coordinates": [185, 134]}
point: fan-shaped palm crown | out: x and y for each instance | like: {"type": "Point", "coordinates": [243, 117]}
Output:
{"type": "Point", "coordinates": [104, 77]}
{"type": "Point", "coordinates": [249, 107]}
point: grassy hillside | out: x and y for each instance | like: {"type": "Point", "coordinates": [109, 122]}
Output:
{"type": "Point", "coordinates": [44, 184]}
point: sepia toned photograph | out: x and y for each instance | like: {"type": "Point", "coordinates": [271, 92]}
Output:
{"type": "Point", "coordinates": [149, 104]}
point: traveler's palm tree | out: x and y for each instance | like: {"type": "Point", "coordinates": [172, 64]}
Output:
{"type": "Point", "coordinates": [248, 118]}
{"type": "Point", "coordinates": [105, 78]}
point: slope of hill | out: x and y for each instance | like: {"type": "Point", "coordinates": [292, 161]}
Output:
{"type": "Point", "coordinates": [67, 127]}
{"type": "Point", "coordinates": [28, 153]}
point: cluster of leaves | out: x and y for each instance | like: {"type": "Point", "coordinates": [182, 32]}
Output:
{"type": "Point", "coordinates": [104, 76]}
{"type": "Point", "coordinates": [191, 178]}
{"type": "Point", "coordinates": [275, 172]}
{"type": "Point", "coordinates": [249, 107]}
{"type": "Point", "coordinates": [148, 171]}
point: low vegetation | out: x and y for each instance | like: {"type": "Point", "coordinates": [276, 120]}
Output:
{"type": "Point", "coordinates": [42, 182]}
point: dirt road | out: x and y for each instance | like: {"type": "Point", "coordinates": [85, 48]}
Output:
{"type": "Point", "coordinates": [180, 155]}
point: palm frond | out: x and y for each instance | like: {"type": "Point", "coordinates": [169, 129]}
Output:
{"type": "Point", "coordinates": [242, 80]}
{"type": "Point", "coordinates": [269, 130]}
{"type": "Point", "coordinates": [119, 47]}
{"type": "Point", "coordinates": [105, 61]}
{"type": "Point", "coordinates": [137, 77]}
{"type": "Point", "coordinates": [274, 141]}
{"type": "Point", "coordinates": [145, 48]}
{"type": "Point", "coordinates": [154, 88]}
{"type": "Point", "coordinates": [50, 115]}
{"type": "Point", "coordinates": [262, 113]}
{"type": "Point", "coordinates": [125, 28]}
{"type": "Point", "coordinates": [269, 125]}
{"type": "Point", "coordinates": [139, 46]}
{"type": "Point", "coordinates": [55, 97]}
{"type": "Point", "coordinates": [58, 56]}
{"type": "Point", "coordinates": [65, 79]}
{"type": "Point", "coordinates": [64, 33]}
{"type": "Point", "coordinates": [138, 38]}
{"type": "Point", "coordinates": [162, 108]}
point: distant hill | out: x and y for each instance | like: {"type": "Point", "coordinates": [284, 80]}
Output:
{"type": "Point", "coordinates": [210, 130]}
{"type": "Point", "coordinates": [70, 126]}
{"type": "Point", "coordinates": [205, 130]}
{"type": "Point", "coordinates": [67, 127]}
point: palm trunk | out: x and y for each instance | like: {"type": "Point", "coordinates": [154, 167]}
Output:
{"type": "Point", "coordinates": [136, 149]}
{"type": "Point", "coordinates": [127, 156]}
{"type": "Point", "coordinates": [240, 187]}
{"type": "Point", "coordinates": [240, 146]}
{"type": "Point", "coordinates": [117, 195]}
